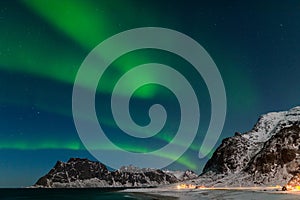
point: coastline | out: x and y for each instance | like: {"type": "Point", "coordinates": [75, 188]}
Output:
{"type": "Point", "coordinates": [148, 196]}
{"type": "Point", "coordinates": [214, 193]}
{"type": "Point", "coordinates": [165, 192]}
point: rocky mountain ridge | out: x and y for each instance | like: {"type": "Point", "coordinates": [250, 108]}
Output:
{"type": "Point", "coordinates": [82, 173]}
{"type": "Point", "coordinates": [269, 154]}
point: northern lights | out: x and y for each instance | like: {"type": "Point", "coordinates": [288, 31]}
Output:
{"type": "Point", "coordinates": [75, 19]}
{"type": "Point", "coordinates": [43, 43]}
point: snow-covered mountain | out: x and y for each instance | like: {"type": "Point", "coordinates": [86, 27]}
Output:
{"type": "Point", "coordinates": [182, 175]}
{"type": "Point", "coordinates": [79, 173]}
{"type": "Point", "coordinates": [269, 154]}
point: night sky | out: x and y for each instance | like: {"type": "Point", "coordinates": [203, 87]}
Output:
{"type": "Point", "coordinates": [255, 46]}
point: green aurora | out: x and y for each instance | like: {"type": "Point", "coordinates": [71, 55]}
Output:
{"type": "Point", "coordinates": [77, 146]}
{"type": "Point", "coordinates": [44, 42]}
{"type": "Point", "coordinates": [64, 66]}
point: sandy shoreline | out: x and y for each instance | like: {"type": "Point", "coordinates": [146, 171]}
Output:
{"type": "Point", "coordinates": [266, 193]}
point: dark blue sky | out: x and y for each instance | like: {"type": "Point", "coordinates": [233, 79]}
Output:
{"type": "Point", "coordinates": [254, 44]}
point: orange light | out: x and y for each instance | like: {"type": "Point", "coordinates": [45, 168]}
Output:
{"type": "Point", "coordinates": [297, 187]}
{"type": "Point", "coordinates": [292, 188]}
{"type": "Point", "coordinates": [186, 186]}
{"type": "Point", "coordinates": [200, 187]}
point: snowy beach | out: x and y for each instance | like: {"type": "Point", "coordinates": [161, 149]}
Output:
{"type": "Point", "coordinates": [266, 193]}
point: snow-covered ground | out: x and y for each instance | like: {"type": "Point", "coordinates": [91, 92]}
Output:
{"type": "Point", "coordinates": [265, 193]}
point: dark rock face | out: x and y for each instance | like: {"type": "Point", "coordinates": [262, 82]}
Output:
{"type": "Point", "coordinates": [268, 154]}
{"type": "Point", "coordinates": [189, 175]}
{"type": "Point", "coordinates": [279, 150]}
{"type": "Point", "coordinates": [278, 154]}
{"type": "Point", "coordinates": [85, 173]}
{"type": "Point", "coordinates": [74, 169]}
{"type": "Point", "coordinates": [227, 156]}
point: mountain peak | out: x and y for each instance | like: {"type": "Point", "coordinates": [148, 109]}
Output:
{"type": "Point", "coordinates": [267, 154]}
{"type": "Point", "coordinates": [81, 172]}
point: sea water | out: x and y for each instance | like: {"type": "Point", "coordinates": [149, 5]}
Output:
{"type": "Point", "coordinates": [116, 194]}
{"type": "Point", "coordinates": [64, 193]}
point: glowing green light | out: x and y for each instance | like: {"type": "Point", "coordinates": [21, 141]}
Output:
{"type": "Point", "coordinates": [47, 144]}
{"type": "Point", "coordinates": [76, 145]}
{"type": "Point", "coordinates": [87, 26]}
{"type": "Point", "coordinates": [77, 19]}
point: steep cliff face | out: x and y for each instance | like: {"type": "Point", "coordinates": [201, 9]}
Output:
{"type": "Point", "coordinates": [268, 154]}
{"type": "Point", "coordinates": [85, 173]}
{"type": "Point", "coordinates": [232, 156]}
{"type": "Point", "coordinates": [279, 158]}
